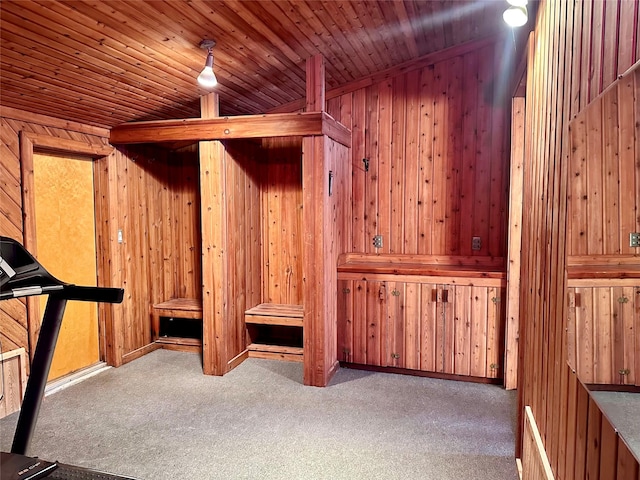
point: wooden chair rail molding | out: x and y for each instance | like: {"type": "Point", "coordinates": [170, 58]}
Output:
{"type": "Point", "coordinates": [224, 128]}
{"type": "Point", "coordinates": [619, 268]}
{"type": "Point", "coordinates": [463, 270]}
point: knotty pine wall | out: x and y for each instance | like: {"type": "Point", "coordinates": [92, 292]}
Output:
{"type": "Point", "coordinates": [14, 324]}
{"type": "Point", "coordinates": [578, 49]}
{"type": "Point", "coordinates": [438, 166]}
{"type": "Point", "coordinates": [152, 195]}
{"type": "Point", "coordinates": [282, 221]}
{"type": "Point", "coordinates": [244, 175]}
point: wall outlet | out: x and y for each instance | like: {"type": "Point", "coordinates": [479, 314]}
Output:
{"type": "Point", "coordinates": [634, 239]}
{"type": "Point", "coordinates": [377, 241]}
{"type": "Point", "coordinates": [476, 243]}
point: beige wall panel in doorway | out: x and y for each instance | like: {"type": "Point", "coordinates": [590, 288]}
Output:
{"type": "Point", "coordinates": [65, 235]}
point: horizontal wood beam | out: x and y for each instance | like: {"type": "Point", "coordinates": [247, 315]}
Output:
{"type": "Point", "coordinates": [223, 128]}
{"type": "Point", "coordinates": [55, 144]}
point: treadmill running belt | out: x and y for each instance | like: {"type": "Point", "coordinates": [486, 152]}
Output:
{"type": "Point", "coordinates": [69, 472]}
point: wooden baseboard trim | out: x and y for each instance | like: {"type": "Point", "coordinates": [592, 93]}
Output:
{"type": "Point", "coordinates": [421, 373]}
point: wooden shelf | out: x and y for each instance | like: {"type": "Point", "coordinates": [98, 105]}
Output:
{"type": "Point", "coordinates": [269, 319]}
{"type": "Point", "coordinates": [275, 352]}
{"type": "Point", "coordinates": [275, 314]}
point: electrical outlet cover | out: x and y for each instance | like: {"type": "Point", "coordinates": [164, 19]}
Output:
{"type": "Point", "coordinates": [634, 239]}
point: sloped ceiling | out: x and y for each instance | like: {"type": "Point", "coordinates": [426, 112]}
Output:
{"type": "Point", "coordinates": [107, 62]}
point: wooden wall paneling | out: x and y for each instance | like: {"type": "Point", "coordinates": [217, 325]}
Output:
{"type": "Point", "coordinates": [14, 325]}
{"type": "Point", "coordinates": [602, 335]}
{"type": "Point", "coordinates": [345, 320]}
{"type": "Point", "coordinates": [577, 198]}
{"type": "Point", "coordinates": [568, 440]}
{"type": "Point", "coordinates": [344, 180]}
{"type": "Point", "coordinates": [623, 335]}
{"type": "Point", "coordinates": [478, 337]}
{"type": "Point", "coordinates": [594, 439]}
{"type": "Point", "coordinates": [397, 162]}
{"type": "Point", "coordinates": [376, 328]}
{"type": "Point", "coordinates": [359, 134]}
{"type": "Point", "coordinates": [610, 42]}
{"type": "Point", "coordinates": [454, 111]}
{"type": "Point", "coordinates": [594, 179]}
{"type": "Point", "coordinates": [628, 204]}
{"type": "Point", "coordinates": [360, 322]}
{"type": "Point", "coordinates": [548, 88]}
{"type": "Point", "coordinates": [463, 306]}
{"type": "Point", "coordinates": [597, 25]}
{"type": "Point", "coordinates": [636, 350]}
{"type": "Point", "coordinates": [626, 462]}
{"type": "Point", "coordinates": [373, 142]}
{"type": "Point", "coordinates": [582, 415]}
{"type": "Point", "coordinates": [385, 161]}
{"type": "Point", "coordinates": [440, 159]}
{"type": "Point", "coordinates": [28, 231]}
{"type": "Point", "coordinates": [512, 300]}
{"type": "Point", "coordinates": [627, 35]}
{"type": "Point", "coordinates": [495, 345]}
{"type": "Point", "coordinates": [394, 312]}
{"type": "Point", "coordinates": [426, 162]}
{"type": "Point", "coordinates": [413, 319]}
{"type": "Point", "coordinates": [413, 162]}
{"type": "Point", "coordinates": [430, 356]}
{"type": "Point", "coordinates": [283, 217]}
{"type": "Point", "coordinates": [244, 217]}
{"type": "Point", "coordinates": [446, 327]}
{"type": "Point", "coordinates": [608, 450]}
{"type": "Point", "coordinates": [500, 153]}
{"type": "Point", "coordinates": [483, 153]}
{"type": "Point", "coordinates": [471, 145]}
{"type": "Point", "coordinates": [610, 174]}
{"type": "Point", "coordinates": [636, 137]}
{"type": "Point", "coordinates": [214, 275]}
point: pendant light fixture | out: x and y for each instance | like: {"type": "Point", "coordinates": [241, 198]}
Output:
{"type": "Point", "coordinates": [516, 15]}
{"type": "Point", "coordinates": [207, 78]}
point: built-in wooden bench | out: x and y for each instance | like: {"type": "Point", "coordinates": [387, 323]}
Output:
{"type": "Point", "coordinates": [187, 308]}
{"type": "Point", "coordinates": [274, 315]}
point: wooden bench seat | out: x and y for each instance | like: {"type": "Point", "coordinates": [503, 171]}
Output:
{"type": "Point", "coordinates": [278, 316]}
{"type": "Point", "coordinates": [275, 314]}
{"type": "Point", "coordinates": [188, 308]}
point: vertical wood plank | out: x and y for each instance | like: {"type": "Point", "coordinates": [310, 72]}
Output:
{"type": "Point", "coordinates": [429, 356]}
{"type": "Point", "coordinates": [512, 331]}
{"type": "Point", "coordinates": [412, 326]}
{"type": "Point", "coordinates": [425, 174]}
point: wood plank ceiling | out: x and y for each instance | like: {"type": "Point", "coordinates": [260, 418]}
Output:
{"type": "Point", "coordinates": [107, 62]}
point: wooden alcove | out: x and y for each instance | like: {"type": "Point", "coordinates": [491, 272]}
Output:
{"type": "Point", "coordinates": [271, 205]}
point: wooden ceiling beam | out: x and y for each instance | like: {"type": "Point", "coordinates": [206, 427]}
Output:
{"type": "Point", "coordinates": [225, 128]}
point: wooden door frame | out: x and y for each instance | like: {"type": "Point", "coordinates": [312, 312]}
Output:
{"type": "Point", "coordinates": [30, 142]}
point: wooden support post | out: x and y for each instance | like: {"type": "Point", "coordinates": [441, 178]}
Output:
{"type": "Point", "coordinates": [319, 249]}
{"type": "Point", "coordinates": [515, 241]}
{"type": "Point", "coordinates": [315, 84]}
{"type": "Point", "coordinates": [213, 220]}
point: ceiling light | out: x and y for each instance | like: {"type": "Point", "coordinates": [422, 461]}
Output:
{"type": "Point", "coordinates": [518, 3]}
{"type": "Point", "coordinates": [207, 78]}
{"type": "Point", "coordinates": [515, 16]}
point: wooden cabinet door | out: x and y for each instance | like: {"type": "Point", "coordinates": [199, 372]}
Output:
{"type": "Point", "coordinates": [456, 329]}
{"type": "Point", "coordinates": [475, 331]}
{"type": "Point", "coordinates": [345, 320]}
{"type": "Point", "coordinates": [602, 336]}
{"type": "Point", "coordinates": [363, 335]}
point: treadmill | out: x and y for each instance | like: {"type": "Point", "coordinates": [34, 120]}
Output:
{"type": "Point", "coordinates": [21, 275]}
